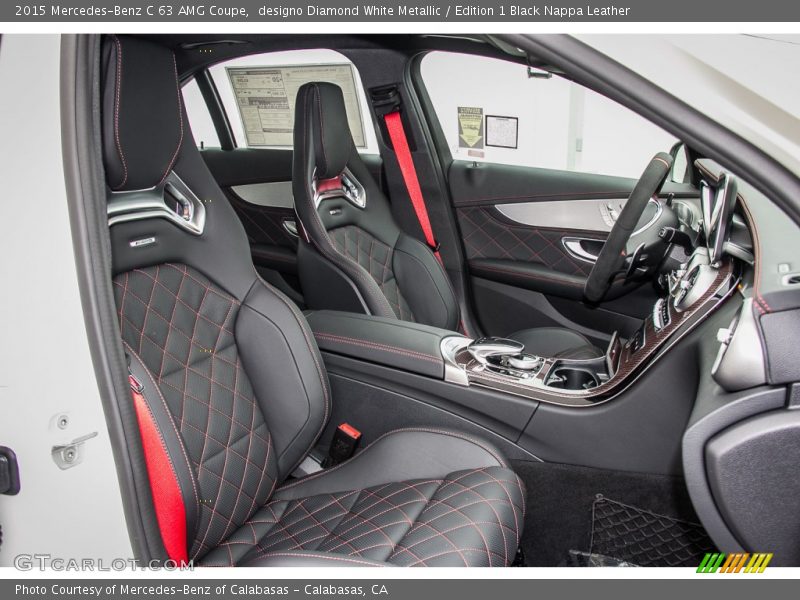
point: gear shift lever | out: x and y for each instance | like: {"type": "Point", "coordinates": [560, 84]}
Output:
{"type": "Point", "coordinates": [487, 348]}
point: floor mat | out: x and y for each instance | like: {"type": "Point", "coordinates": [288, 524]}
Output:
{"type": "Point", "coordinates": [560, 498]}
{"type": "Point", "coordinates": [634, 535]}
{"type": "Point", "coordinates": [587, 559]}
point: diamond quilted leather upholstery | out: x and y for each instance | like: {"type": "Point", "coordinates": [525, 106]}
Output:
{"type": "Point", "coordinates": [181, 327]}
{"type": "Point", "coordinates": [230, 393]}
{"type": "Point", "coordinates": [470, 518]}
{"type": "Point", "coordinates": [486, 235]}
{"type": "Point", "coordinates": [376, 258]}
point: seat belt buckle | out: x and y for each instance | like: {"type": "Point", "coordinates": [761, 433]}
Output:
{"type": "Point", "coordinates": [343, 445]}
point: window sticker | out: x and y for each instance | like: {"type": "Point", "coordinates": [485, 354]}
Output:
{"type": "Point", "coordinates": [470, 127]}
{"type": "Point", "coordinates": [502, 132]}
{"type": "Point", "coordinates": [266, 96]}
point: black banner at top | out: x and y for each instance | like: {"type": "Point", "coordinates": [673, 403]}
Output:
{"type": "Point", "coordinates": [402, 11]}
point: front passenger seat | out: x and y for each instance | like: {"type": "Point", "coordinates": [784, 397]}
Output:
{"type": "Point", "coordinates": [353, 256]}
{"type": "Point", "coordinates": [229, 387]}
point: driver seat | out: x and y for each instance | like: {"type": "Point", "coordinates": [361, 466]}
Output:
{"type": "Point", "coordinates": [352, 254]}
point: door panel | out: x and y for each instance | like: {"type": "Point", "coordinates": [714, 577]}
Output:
{"type": "Point", "coordinates": [489, 234]}
{"type": "Point", "coordinates": [529, 235]}
{"type": "Point", "coordinates": [258, 184]}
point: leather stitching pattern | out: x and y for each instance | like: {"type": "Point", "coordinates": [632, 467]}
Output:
{"type": "Point", "coordinates": [117, 94]}
{"type": "Point", "coordinates": [180, 121]}
{"type": "Point", "coordinates": [195, 363]}
{"type": "Point", "coordinates": [378, 346]}
{"type": "Point", "coordinates": [487, 237]}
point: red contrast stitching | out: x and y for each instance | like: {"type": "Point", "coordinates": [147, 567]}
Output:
{"type": "Point", "coordinates": [117, 94]}
{"type": "Point", "coordinates": [320, 556]}
{"type": "Point", "coordinates": [180, 120]}
{"type": "Point", "coordinates": [377, 346]}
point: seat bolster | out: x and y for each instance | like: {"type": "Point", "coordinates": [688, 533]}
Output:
{"type": "Point", "coordinates": [424, 284]}
{"type": "Point", "coordinates": [400, 455]}
{"type": "Point", "coordinates": [311, 559]}
{"type": "Point", "coordinates": [285, 368]}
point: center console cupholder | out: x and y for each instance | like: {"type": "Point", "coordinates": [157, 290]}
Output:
{"type": "Point", "coordinates": [572, 378]}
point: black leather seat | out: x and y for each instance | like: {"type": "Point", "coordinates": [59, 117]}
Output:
{"type": "Point", "coordinates": [230, 389]}
{"type": "Point", "coordinates": [354, 257]}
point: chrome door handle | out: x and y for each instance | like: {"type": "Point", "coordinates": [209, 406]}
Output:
{"type": "Point", "coordinates": [574, 247]}
{"type": "Point", "coordinates": [494, 347]}
{"type": "Point", "coordinates": [290, 226]}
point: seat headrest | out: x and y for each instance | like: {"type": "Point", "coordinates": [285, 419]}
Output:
{"type": "Point", "coordinates": [143, 124]}
{"type": "Point", "coordinates": [320, 110]}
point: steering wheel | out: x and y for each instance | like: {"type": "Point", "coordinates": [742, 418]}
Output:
{"type": "Point", "coordinates": [613, 254]}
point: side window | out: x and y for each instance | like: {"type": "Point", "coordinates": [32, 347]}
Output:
{"type": "Point", "coordinates": [205, 136]}
{"type": "Point", "coordinates": [258, 93]}
{"type": "Point", "coordinates": [503, 114]}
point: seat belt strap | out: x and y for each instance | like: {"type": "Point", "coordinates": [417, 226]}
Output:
{"type": "Point", "coordinates": [394, 125]}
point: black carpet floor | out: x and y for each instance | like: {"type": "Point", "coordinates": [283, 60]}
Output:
{"type": "Point", "coordinates": [558, 516]}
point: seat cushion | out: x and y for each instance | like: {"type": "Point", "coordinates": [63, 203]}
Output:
{"type": "Point", "coordinates": [442, 513]}
{"type": "Point", "coordinates": [557, 342]}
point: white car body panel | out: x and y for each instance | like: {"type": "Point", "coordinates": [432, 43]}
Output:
{"type": "Point", "coordinates": [45, 365]}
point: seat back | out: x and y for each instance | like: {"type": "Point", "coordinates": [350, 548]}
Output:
{"type": "Point", "coordinates": [353, 256]}
{"type": "Point", "coordinates": [234, 393]}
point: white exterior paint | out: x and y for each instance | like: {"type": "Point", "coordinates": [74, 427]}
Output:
{"type": "Point", "coordinates": [45, 365]}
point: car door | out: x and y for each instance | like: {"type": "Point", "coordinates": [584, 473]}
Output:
{"type": "Point", "coordinates": [538, 169]}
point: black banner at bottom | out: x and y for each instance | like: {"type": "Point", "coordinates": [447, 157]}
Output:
{"type": "Point", "coordinates": [396, 589]}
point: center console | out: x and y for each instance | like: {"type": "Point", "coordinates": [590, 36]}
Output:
{"type": "Point", "coordinates": [692, 291]}
{"type": "Point", "coordinates": [501, 365]}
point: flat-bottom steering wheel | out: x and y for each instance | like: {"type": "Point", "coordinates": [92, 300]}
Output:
{"type": "Point", "coordinates": [612, 256]}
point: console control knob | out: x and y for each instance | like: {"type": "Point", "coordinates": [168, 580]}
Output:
{"type": "Point", "coordinates": [487, 348]}
{"type": "Point", "coordinates": [524, 362]}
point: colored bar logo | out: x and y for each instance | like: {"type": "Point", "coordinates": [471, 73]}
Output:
{"type": "Point", "coordinates": [739, 562]}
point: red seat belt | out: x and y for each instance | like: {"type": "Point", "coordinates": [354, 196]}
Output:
{"type": "Point", "coordinates": [397, 134]}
